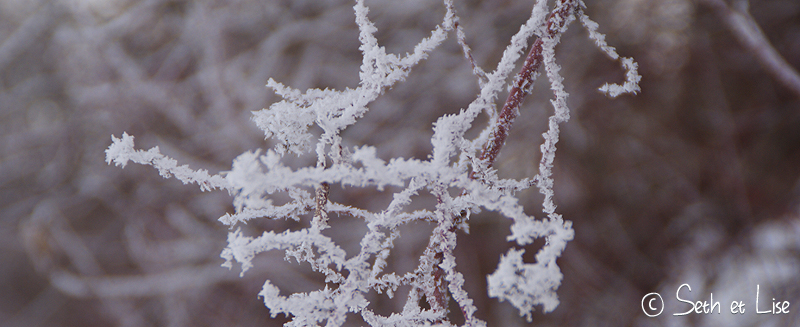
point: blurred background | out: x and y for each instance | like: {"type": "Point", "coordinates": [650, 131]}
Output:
{"type": "Point", "coordinates": [694, 180]}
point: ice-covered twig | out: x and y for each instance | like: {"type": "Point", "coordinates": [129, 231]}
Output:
{"type": "Point", "coordinates": [254, 178]}
{"type": "Point", "coordinates": [121, 151]}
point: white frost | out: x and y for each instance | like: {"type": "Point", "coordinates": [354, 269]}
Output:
{"type": "Point", "coordinates": [255, 177]}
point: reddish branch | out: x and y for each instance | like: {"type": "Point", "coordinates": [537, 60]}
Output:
{"type": "Point", "coordinates": [521, 87]}
{"type": "Point", "coordinates": [510, 109]}
{"type": "Point", "coordinates": [522, 84]}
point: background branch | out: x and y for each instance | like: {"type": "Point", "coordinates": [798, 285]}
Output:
{"type": "Point", "coordinates": [744, 27]}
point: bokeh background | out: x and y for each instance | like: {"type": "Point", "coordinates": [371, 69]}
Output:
{"type": "Point", "coordinates": [694, 180]}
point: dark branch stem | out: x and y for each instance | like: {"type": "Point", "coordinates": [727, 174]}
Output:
{"type": "Point", "coordinates": [321, 198]}
{"type": "Point", "coordinates": [522, 85]}
{"type": "Point", "coordinates": [510, 111]}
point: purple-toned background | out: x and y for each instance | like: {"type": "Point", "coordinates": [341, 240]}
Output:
{"type": "Point", "coordinates": [694, 180]}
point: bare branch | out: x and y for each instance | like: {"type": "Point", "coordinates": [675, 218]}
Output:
{"type": "Point", "coordinates": [746, 30]}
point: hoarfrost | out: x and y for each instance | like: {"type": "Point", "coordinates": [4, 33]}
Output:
{"type": "Point", "coordinates": [255, 177]}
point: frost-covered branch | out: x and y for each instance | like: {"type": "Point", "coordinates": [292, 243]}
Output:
{"type": "Point", "coordinates": [456, 162]}
{"type": "Point", "coordinates": [121, 151]}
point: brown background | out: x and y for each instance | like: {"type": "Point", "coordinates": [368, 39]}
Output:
{"type": "Point", "coordinates": [694, 180]}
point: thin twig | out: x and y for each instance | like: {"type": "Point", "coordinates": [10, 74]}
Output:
{"type": "Point", "coordinates": [522, 87]}
{"type": "Point", "coordinates": [510, 111]}
{"type": "Point", "coordinates": [746, 30]}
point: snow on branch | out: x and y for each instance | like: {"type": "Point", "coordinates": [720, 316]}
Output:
{"type": "Point", "coordinates": [121, 151]}
{"type": "Point", "coordinates": [256, 177]}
